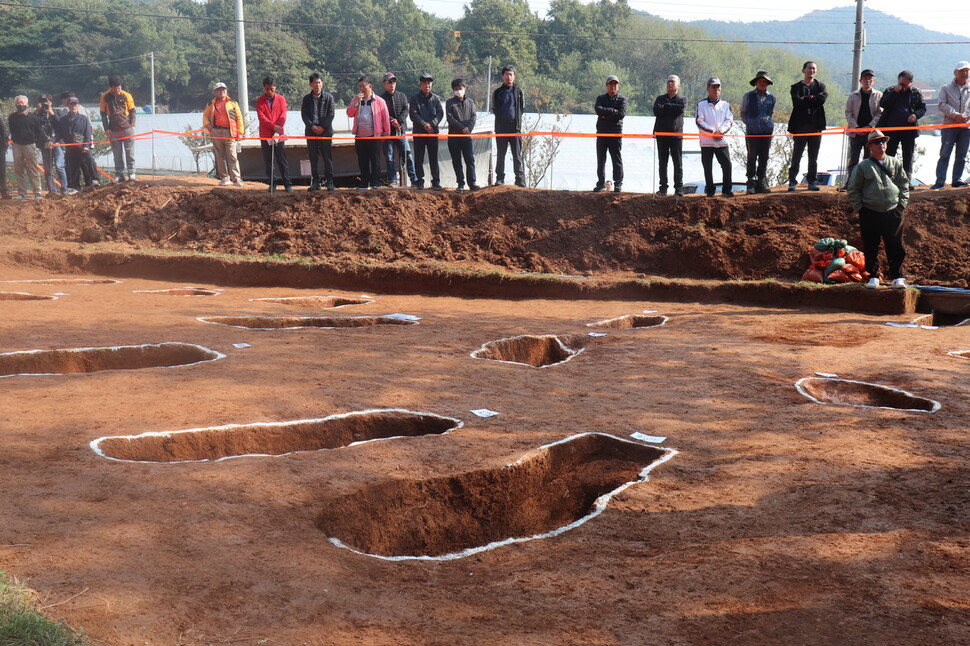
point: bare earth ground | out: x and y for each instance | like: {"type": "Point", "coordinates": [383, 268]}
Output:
{"type": "Point", "coordinates": [780, 520]}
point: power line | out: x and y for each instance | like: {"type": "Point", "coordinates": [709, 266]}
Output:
{"type": "Point", "coordinates": [34, 67]}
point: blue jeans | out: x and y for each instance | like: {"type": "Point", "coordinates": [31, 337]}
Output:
{"type": "Point", "coordinates": [952, 137]}
{"type": "Point", "coordinates": [404, 152]}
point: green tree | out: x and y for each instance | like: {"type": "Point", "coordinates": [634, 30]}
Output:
{"type": "Point", "coordinates": [499, 28]}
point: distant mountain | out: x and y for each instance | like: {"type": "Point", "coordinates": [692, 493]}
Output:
{"type": "Point", "coordinates": [931, 64]}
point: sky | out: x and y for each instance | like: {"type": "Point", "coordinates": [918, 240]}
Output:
{"type": "Point", "coordinates": [946, 16]}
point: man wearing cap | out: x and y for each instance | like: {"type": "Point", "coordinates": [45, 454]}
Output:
{"type": "Point", "coordinates": [398, 106]}
{"type": "Point", "coordinates": [461, 116]}
{"type": "Point", "coordinates": [861, 112]}
{"type": "Point", "coordinates": [807, 116]}
{"type": "Point", "coordinates": [669, 111]}
{"type": "Point", "coordinates": [223, 120]}
{"type": "Point", "coordinates": [878, 190]}
{"type": "Point", "coordinates": [271, 113]}
{"type": "Point", "coordinates": [317, 112]}
{"type": "Point", "coordinates": [508, 104]}
{"type": "Point", "coordinates": [757, 108]}
{"type": "Point", "coordinates": [902, 106]}
{"type": "Point", "coordinates": [74, 129]}
{"type": "Point", "coordinates": [118, 118]}
{"type": "Point", "coordinates": [426, 113]}
{"type": "Point", "coordinates": [610, 109]}
{"type": "Point", "coordinates": [714, 120]}
{"type": "Point", "coordinates": [955, 105]}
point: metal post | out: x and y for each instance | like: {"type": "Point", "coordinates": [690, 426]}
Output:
{"type": "Point", "coordinates": [860, 43]}
{"type": "Point", "coordinates": [154, 112]}
{"type": "Point", "coordinates": [241, 60]}
{"type": "Point", "coordinates": [488, 84]}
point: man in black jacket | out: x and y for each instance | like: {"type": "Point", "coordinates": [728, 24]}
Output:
{"type": "Point", "coordinates": [74, 129]}
{"type": "Point", "coordinates": [460, 112]}
{"type": "Point", "coordinates": [317, 112]}
{"type": "Point", "coordinates": [426, 113]}
{"type": "Point", "coordinates": [669, 109]}
{"type": "Point", "coordinates": [610, 110]}
{"type": "Point", "coordinates": [902, 105]}
{"type": "Point", "coordinates": [25, 132]}
{"type": "Point", "coordinates": [807, 116]}
{"type": "Point", "coordinates": [4, 138]}
{"type": "Point", "coordinates": [508, 104]}
{"type": "Point", "coordinates": [398, 106]}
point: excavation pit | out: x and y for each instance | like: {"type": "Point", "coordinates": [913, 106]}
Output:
{"type": "Point", "coordinates": [942, 320]}
{"type": "Point", "coordinates": [68, 281]}
{"type": "Point", "coordinates": [81, 360]}
{"type": "Point", "coordinates": [547, 491]}
{"type": "Point", "coordinates": [23, 296]}
{"type": "Point", "coordinates": [961, 354]}
{"type": "Point", "coordinates": [180, 291]}
{"type": "Point", "coordinates": [322, 302]}
{"type": "Point", "coordinates": [846, 392]}
{"type": "Point", "coordinates": [631, 321]}
{"type": "Point", "coordinates": [296, 322]}
{"type": "Point", "coordinates": [272, 438]}
{"type": "Point", "coordinates": [535, 351]}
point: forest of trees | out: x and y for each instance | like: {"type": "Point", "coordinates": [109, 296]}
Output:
{"type": "Point", "coordinates": [562, 59]}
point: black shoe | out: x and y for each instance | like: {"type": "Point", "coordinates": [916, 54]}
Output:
{"type": "Point", "coordinates": [474, 187]}
{"type": "Point", "coordinates": [520, 183]}
{"type": "Point", "coordinates": [499, 181]}
{"type": "Point", "coordinates": [330, 186]}
{"type": "Point", "coordinates": [436, 187]}
{"type": "Point", "coordinates": [813, 186]}
{"type": "Point", "coordinates": [314, 186]}
{"type": "Point", "coordinates": [460, 189]}
{"type": "Point", "coordinates": [959, 184]}
{"type": "Point", "coordinates": [727, 194]}
{"type": "Point", "coordinates": [419, 186]}
{"type": "Point", "coordinates": [288, 188]}
{"type": "Point", "coordinates": [791, 187]}
{"type": "Point", "coordinates": [910, 187]}
{"type": "Point", "coordinates": [678, 192]}
{"type": "Point", "coordinates": [617, 189]}
{"type": "Point", "coordinates": [750, 187]}
{"type": "Point", "coordinates": [272, 189]}
{"type": "Point", "coordinates": [709, 194]}
{"type": "Point", "coordinates": [599, 188]}
{"type": "Point", "coordinates": [662, 191]}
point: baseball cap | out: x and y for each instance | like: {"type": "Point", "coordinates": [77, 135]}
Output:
{"type": "Point", "coordinates": [73, 99]}
{"type": "Point", "coordinates": [867, 72]}
{"type": "Point", "coordinates": [389, 77]}
{"type": "Point", "coordinates": [713, 81]}
{"type": "Point", "coordinates": [426, 77]}
{"type": "Point", "coordinates": [218, 85]}
{"type": "Point", "coordinates": [612, 79]}
{"type": "Point", "coordinates": [962, 65]}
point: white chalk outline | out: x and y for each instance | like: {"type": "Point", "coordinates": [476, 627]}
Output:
{"type": "Point", "coordinates": [218, 356]}
{"type": "Point", "coordinates": [572, 353]}
{"type": "Point", "coordinates": [209, 292]}
{"type": "Point", "coordinates": [800, 388]}
{"type": "Point", "coordinates": [42, 297]}
{"type": "Point", "coordinates": [95, 444]}
{"type": "Point", "coordinates": [204, 319]}
{"type": "Point", "coordinates": [277, 299]}
{"type": "Point", "coordinates": [68, 281]}
{"type": "Point", "coordinates": [961, 354]}
{"type": "Point", "coordinates": [599, 506]}
{"type": "Point", "coordinates": [628, 316]}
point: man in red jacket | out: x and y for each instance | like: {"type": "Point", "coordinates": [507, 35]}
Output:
{"type": "Point", "coordinates": [271, 112]}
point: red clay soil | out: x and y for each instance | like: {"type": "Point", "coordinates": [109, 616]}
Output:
{"type": "Point", "coordinates": [780, 520]}
{"type": "Point", "coordinates": [748, 237]}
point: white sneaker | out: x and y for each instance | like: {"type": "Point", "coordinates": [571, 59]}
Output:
{"type": "Point", "coordinates": [132, 178]}
{"type": "Point", "coordinates": [238, 182]}
{"type": "Point", "coordinates": [225, 182]}
{"type": "Point", "coordinates": [899, 283]}
{"type": "Point", "coordinates": [70, 191]}
{"type": "Point", "coordinates": [872, 283]}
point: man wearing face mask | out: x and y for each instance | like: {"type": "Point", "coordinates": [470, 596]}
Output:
{"type": "Point", "coordinates": [25, 131]}
{"type": "Point", "coordinates": [460, 111]}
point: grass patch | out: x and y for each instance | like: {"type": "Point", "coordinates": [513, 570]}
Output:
{"type": "Point", "coordinates": [22, 624]}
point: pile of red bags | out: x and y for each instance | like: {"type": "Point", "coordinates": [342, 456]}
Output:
{"type": "Point", "coordinates": [833, 260]}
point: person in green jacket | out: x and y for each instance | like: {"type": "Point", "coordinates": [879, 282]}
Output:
{"type": "Point", "coordinates": [878, 190]}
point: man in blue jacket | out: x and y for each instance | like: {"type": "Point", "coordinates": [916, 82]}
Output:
{"type": "Point", "coordinates": [757, 107]}
{"type": "Point", "coordinates": [508, 104]}
{"type": "Point", "coordinates": [610, 110]}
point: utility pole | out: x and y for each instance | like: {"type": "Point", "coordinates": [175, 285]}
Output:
{"type": "Point", "coordinates": [488, 84]}
{"type": "Point", "coordinates": [860, 43]}
{"type": "Point", "coordinates": [154, 112]}
{"type": "Point", "coordinates": [241, 60]}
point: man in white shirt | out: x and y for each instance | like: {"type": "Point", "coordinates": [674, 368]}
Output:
{"type": "Point", "coordinates": [714, 120]}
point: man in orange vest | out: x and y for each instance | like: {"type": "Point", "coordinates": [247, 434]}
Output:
{"type": "Point", "coordinates": [223, 121]}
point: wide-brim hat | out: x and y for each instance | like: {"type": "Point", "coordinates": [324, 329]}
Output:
{"type": "Point", "coordinates": [875, 136]}
{"type": "Point", "coordinates": [761, 75]}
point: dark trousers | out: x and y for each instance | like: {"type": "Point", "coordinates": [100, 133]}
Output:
{"type": "Point", "coordinates": [3, 170]}
{"type": "Point", "coordinates": [429, 145]}
{"type": "Point", "coordinates": [857, 144]}
{"type": "Point", "coordinates": [759, 149]}
{"type": "Point", "coordinates": [888, 228]}
{"type": "Point", "coordinates": [908, 141]}
{"type": "Point", "coordinates": [813, 142]}
{"type": "Point", "coordinates": [462, 148]}
{"type": "Point", "coordinates": [284, 168]}
{"type": "Point", "coordinates": [318, 148]}
{"type": "Point", "coordinates": [951, 138]}
{"type": "Point", "coordinates": [79, 163]}
{"type": "Point", "coordinates": [615, 147]}
{"type": "Point", "coordinates": [403, 154]}
{"type": "Point", "coordinates": [369, 161]}
{"type": "Point", "coordinates": [708, 153]}
{"type": "Point", "coordinates": [671, 147]}
{"type": "Point", "coordinates": [502, 145]}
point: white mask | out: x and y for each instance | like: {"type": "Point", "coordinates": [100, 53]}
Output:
{"type": "Point", "coordinates": [460, 93]}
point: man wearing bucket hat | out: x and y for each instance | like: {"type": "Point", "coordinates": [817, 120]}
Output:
{"type": "Point", "coordinates": [878, 191]}
{"type": "Point", "coordinates": [757, 107]}
{"type": "Point", "coordinates": [610, 109]}
{"type": "Point", "coordinates": [954, 103]}
{"type": "Point", "coordinates": [713, 120]}
{"type": "Point", "coordinates": [861, 111]}
{"type": "Point", "coordinates": [223, 120]}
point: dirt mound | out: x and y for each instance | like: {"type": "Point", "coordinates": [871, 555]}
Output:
{"type": "Point", "coordinates": [748, 237]}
